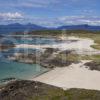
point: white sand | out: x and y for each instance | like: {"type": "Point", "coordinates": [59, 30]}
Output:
{"type": "Point", "coordinates": [32, 46]}
{"type": "Point", "coordinates": [82, 46]}
{"type": "Point", "coordinates": [74, 76]}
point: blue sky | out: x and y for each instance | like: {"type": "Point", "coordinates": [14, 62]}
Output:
{"type": "Point", "coordinates": [50, 12]}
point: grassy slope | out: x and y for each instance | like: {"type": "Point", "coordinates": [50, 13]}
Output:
{"type": "Point", "coordinates": [72, 94]}
{"type": "Point", "coordinates": [28, 90]}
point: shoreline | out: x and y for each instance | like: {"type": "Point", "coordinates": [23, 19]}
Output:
{"type": "Point", "coordinates": [78, 46]}
{"type": "Point", "coordinates": [73, 76]}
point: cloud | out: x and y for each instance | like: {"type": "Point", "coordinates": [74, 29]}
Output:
{"type": "Point", "coordinates": [29, 3]}
{"type": "Point", "coordinates": [37, 3]}
{"type": "Point", "coordinates": [49, 22]}
{"type": "Point", "coordinates": [66, 20]}
{"type": "Point", "coordinates": [10, 16]}
{"type": "Point", "coordinates": [75, 20]}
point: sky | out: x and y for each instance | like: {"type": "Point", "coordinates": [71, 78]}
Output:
{"type": "Point", "coordinates": [50, 13]}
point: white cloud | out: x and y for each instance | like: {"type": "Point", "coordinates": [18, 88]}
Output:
{"type": "Point", "coordinates": [65, 20]}
{"type": "Point", "coordinates": [37, 3]}
{"type": "Point", "coordinates": [10, 16]}
{"type": "Point", "coordinates": [91, 20]}
{"type": "Point", "coordinates": [49, 22]}
{"type": "Point", "coordinates": [30, 3]}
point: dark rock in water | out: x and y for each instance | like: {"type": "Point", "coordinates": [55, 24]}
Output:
{"type": "Point", "coordinates": [48, 59]}
{"type": "Point", "coordinates": [66, 52]}
{"type": "Point", "coordinates": [7, 80]}
{"type": "Point", "coordinates": [50, 50]}
{"type": "Point", "coordinates": [93, 65]}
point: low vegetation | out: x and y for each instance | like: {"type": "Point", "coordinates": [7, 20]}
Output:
{"type": "Point", "coordinates": [68, 56]}
{"type": "Point", "coordinates": [77, 57]}
{"type": "Point", "coordinates": [95, 58]}
{"type": "Point", "coordinates": [93, 65]}
{"type": "Point", "coordinates": [96, 46]}
{"type": "Point", "coordinates": [30, 90]}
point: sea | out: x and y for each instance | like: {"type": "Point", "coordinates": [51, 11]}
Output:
{"type": "Point", "coordinates": [15, 70]}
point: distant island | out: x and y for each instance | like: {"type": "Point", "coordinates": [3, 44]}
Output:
{"type": "Point", "coordinates": [17, 27]}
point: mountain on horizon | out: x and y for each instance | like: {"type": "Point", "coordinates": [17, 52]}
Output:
{"type": "Point", "coordinates": [17, 27]}
{"type": "Point", "coordinates": [80, 27]}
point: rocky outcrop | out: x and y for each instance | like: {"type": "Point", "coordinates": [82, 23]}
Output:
{"type": "Point", "coordinates": [93, 65]}
{"type": "Point", "coordinates": [48, 59]}
{"type": "Point", "coordinates": [32, 90]}
{"type": "Point", "coordinates": [26, 90]}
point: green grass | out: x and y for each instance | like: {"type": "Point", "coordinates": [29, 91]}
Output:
{"type": "Point", "coordinates": [96, 46]}
{"type": "Point", "coordinates": [72, 94]}
{"type": "Point", "coordinates": [78, 57]}
{"type": "Point", "coordinates": [51, 95]}
{"type": "Point", "coordinates": [95, 58]}
{"type": "Point", "coordinates": [69, 57]}
{"type": "Point", "coordinates": [82, 94]}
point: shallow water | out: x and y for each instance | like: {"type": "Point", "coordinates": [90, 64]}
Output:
{"type": "Point", "coordinates": [37, 41]}
{"type": "Point", "coordinates": [9, 69]}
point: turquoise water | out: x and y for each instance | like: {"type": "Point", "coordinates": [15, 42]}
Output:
{"type": "Point", "coordinates": [19, 70]}
{"type": "Point", "coordinates": [37, 40]}
{"type": "Point", "coordinates": [9, 69]}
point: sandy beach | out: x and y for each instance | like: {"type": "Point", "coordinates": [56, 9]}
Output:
{"type": "Point", "coordinates": [81, 46]}
{"type": "Point", "coordinates": [73, 76]}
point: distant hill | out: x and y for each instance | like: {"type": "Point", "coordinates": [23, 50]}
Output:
{"type": "Point", "coordinates": [80, 27]}
{"type": "Point", "coordinates": [16, 27]}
